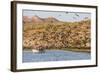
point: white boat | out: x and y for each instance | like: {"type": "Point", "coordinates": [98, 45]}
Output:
{"type": "Point", "coordinates": [35, 51]}
{"type": "Point", "coordinates": [38, 50]}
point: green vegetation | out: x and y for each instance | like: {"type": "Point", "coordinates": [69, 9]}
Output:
{"type": "Point", "coordinates": [73, 36]}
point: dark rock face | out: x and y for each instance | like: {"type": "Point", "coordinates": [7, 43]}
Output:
{"type": "Point", "coordinates": [60, 35]}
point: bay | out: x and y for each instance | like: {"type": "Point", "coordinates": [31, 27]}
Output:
{"type": "Point", "coordinates": [54, 55]}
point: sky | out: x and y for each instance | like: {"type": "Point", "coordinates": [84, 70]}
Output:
{"type": "Point", "coordinates": [60, 15]}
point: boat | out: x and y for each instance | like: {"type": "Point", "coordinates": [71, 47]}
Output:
{"type": "Point", "coordinates": [38, 50]}
{"type": "Point", "coordinates": [35, 50]}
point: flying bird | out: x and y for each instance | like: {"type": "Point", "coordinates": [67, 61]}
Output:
{"type": "Point", "coordinates": [76, 14]}
{"type": "Point", "coordinates": [66, 12]}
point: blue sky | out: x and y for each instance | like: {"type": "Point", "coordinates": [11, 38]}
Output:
{"type": "Point", "coordinates": [62, 15]}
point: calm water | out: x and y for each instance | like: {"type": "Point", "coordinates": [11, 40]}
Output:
{"type": "Point", "coordinates": [54, 55]}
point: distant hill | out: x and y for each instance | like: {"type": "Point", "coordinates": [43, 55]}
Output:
{"type": "Point", "coordinates": [26, 19]}
{"type": "Point", "coordinates": [37, 19]}
{"type": "Point", "coordinates": [51, 19]}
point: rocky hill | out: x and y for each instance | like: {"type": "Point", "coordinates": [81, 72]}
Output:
{"type": "Point", "coordinates": [57, 35]}
{"type": "Point", "coordinates": [37, 19]}
{"type": "Point", "coordinates": [51, 19]}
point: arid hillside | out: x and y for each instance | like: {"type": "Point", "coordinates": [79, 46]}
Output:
{"type": "Point", "coordinates": [54, 34]}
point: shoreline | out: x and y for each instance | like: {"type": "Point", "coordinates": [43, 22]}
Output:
{"type": "Point", "coordinates": [65, 49]}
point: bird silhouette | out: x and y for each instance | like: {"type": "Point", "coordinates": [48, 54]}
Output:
{"type": "Point", "coordinates": [66, 12]}
{"type": "Point", "coordinates": [76, 14]}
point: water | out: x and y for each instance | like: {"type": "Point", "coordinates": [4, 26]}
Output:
{"type": "Point", "coordinates": [54, 55]}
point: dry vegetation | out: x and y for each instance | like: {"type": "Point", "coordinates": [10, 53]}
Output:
{"type": "Point", "coordinates": [57, 35]}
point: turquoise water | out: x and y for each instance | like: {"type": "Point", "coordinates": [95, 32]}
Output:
{"type": "Point", "coordinates": [54, 55]}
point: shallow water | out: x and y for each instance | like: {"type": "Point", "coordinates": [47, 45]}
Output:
{"type": "Point", "coordinates": [54, 55]}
